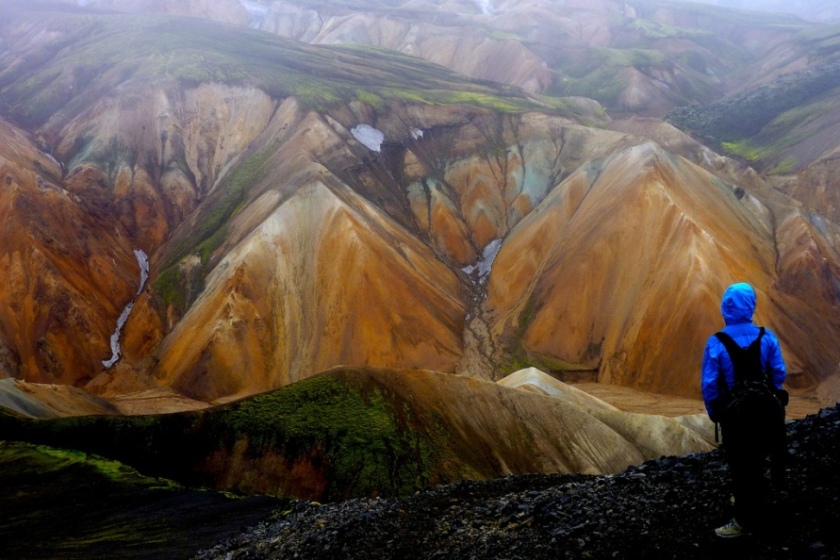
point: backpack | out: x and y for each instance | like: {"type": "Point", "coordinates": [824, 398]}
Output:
{"type": "Point", "coordinates": [752, 413]}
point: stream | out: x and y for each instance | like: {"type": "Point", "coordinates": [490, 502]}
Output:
{"type": "Point", "coordinates": [143, 261]}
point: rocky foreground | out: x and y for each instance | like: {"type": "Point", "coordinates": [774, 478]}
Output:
{"type": "Point", "coordinates": [660, 509]}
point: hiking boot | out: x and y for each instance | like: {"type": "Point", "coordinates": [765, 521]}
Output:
{"type": "Point", "coordinates": [730, 530]}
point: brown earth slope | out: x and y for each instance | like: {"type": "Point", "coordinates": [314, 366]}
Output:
{"type": "Point", "coordinates": [287, 236]}
{"type": "Point", "coordinates": [597, 260]}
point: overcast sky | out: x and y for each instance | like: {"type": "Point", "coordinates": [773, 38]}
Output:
{"type": "Point", "coordinates": [814, 10]}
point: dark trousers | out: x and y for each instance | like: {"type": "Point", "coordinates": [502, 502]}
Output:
{"type": "Point", "coordinates": [749, 485]}
{"type": "Point", "coordinates": [748, 458]}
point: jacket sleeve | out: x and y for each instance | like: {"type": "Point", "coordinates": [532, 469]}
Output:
{"type": "Point", "coordinates": [709, 377]}
{"type": "Point", "coordinates": [775, 362]}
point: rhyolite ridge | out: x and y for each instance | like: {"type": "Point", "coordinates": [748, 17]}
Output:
{"type": "Point", "coordinates": [513, 229]}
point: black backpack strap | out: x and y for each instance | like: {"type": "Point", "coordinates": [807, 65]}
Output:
{"type": "Point", "coordinates": [740, 359]}
{"type": "Point", "coordinates": [740, 355]}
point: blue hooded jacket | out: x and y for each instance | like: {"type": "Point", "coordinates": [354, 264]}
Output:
{"type": "Point", "coordinates": [737, 307]}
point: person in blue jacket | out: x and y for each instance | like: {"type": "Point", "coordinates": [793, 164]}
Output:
{"type": "Point", "coordinates": [746, 464]}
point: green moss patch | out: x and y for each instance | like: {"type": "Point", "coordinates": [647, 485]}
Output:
{"type": "Point", "coordinates": [369, 443]}
{"type": "Point", "coordinates": [98, 53]}
{"type": "Point", "coordinates": [363, 439]}
{"type": "Point", "coordinates": [210, 232]}
{"type": "Point", "coordinates": [67, 504]}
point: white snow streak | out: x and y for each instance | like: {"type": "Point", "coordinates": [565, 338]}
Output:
{"type": "Point", "coordinates": [485, 263]}
{"type": "Point", "coordinates": [256, 10]}
{"type": "Point", "coordinates": [486, 7]}
{"type": "Point", "coordinates": [143, 261]}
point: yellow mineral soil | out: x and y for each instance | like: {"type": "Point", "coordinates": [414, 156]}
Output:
{"type": "Point", "coordinates": [642, 402]}
{"type": "Point", "coordinates": [319, 283]}
{"type": "Point", "coordinates": [483, 190]}
{"type": "Point", "coordinates": [621, 268]}
{"type": "Point", "coordinates": [816, 187]}
{"type": "Point", "coordinates": [66, 270]}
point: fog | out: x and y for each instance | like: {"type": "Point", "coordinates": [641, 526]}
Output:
{"type": "Point", "coordinates": [812, 10]}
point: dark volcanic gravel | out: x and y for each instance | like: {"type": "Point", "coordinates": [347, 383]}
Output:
{"type": "Point", "coordinates": [660, 509]}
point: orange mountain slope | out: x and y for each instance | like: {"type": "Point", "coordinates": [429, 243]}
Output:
{"type": "Point", "coordinates": [309, 207]}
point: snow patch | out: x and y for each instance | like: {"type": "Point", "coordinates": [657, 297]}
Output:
{"type": "Point", "coordinates": [485, 6]}
{"type": "Point", "coordinates": [369, 136]}
{"type": "Point", "coordinates": [143, 261]}
{"type": "Point", "coordinates": [485, 264]}
{"type": "Point", "coordinates": [256, 10]}
{"type": "Point", "coordinates": [116, 351]}
{"type": "Point", "coordinates": [55, 161]}
{"type": "Point", "coordinates": [416, 133]}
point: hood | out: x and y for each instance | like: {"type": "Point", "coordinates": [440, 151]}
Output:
{"type": "Point", "coordinates": [738, 304]}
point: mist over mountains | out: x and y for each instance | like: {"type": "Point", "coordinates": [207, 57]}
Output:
{"type": "Point", "coordinates": [811, 10]}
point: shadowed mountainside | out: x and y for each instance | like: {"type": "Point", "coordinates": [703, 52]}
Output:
{"type": "Point", "coordinates": [362, 432]}
{"type": "Point", "coordinates": [108, 510]}
{"type": "Point", "coordinates": [660, 509]}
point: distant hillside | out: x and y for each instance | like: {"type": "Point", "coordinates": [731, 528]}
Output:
{"type": "Point", "coordinates": [786, 122]}
{"type": "Point", "coordinates": [812, 10]}
{"type": "Point", "coordinates": [357, 432]}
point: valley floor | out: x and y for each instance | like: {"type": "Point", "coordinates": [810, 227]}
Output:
{"type": "Point", "coordinates": [632, 400]}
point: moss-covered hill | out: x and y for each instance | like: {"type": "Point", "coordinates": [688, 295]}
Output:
{"type": "Point", "coordinates": [324, 438]}
{"type": "Point", "coordinates": [71, 59]}
{"type": "Point", "coordinates": [785, 123]}
{"type": "Point", "coordinates": [67, 504]}
{"type": "Point", "coordinates": [354, 432]}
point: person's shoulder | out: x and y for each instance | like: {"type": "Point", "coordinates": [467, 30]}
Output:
{"type": "Point", "coordinates": [770, 335]}
{"type": "Point", "coordinates": [741, 330]}
{"type": "Point", "coordinates": [713, 341]}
